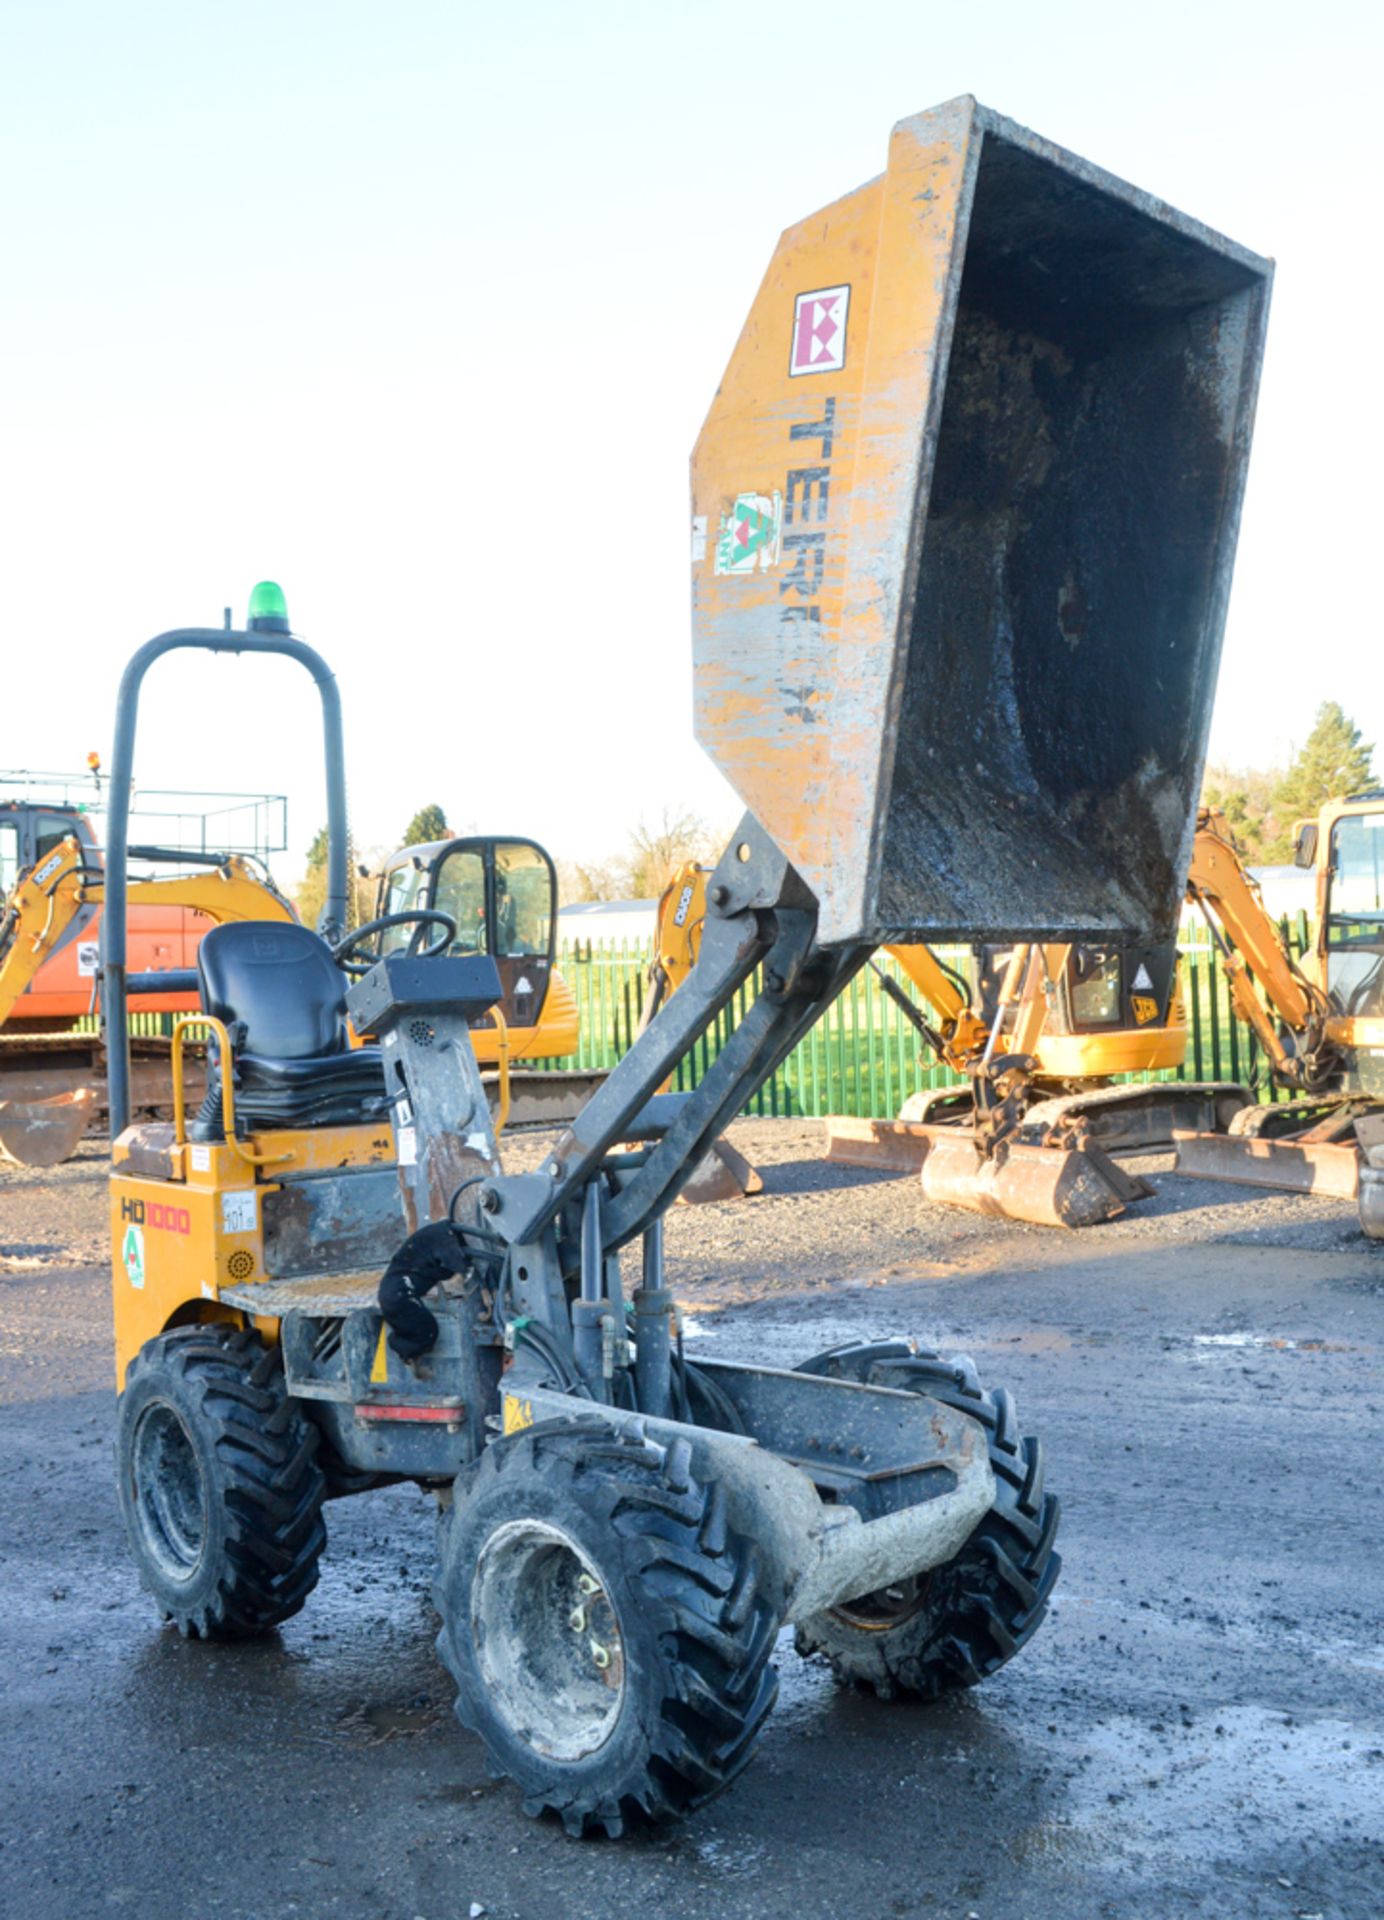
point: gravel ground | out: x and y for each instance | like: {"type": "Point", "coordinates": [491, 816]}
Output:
{"type": "Point", "coordinates": [1197, 1730]}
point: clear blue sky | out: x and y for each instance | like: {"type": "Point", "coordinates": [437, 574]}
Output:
{"type": "Point", "coordinates": [417, 307]}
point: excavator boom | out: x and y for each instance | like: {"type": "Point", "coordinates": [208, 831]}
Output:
{"type": "Point", "coordinates": [45, 903]}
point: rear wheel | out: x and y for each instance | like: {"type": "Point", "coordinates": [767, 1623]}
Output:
{"type": "Point", "coordinates": [955, 1624]}
{"type": "Point", "coordinates": [219, 1485]}
{"type": "Point", "coordinates": [604, 1627]}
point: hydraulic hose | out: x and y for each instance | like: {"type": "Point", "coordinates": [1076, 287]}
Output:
{"type": "Point", "coordinates": [434, 1253]}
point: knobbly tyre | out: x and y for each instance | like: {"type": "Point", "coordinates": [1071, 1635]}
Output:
{"type": "Point", "coordinates": [968, 491]}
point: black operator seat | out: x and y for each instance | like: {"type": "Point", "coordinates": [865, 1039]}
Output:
{"type": "Point", "coordinates": [282, 999]}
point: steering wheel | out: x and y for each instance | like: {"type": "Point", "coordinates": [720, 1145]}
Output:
{"type": "Point", "coordinates": [345, 955]}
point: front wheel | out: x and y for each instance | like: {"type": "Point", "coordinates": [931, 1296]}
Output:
{"type": "Point", "coordinates": [219, 1486]}
{"type": "Point", "coordinates": [958, 1623]}
{"type": "Point", "coordinates": [604, 1626]}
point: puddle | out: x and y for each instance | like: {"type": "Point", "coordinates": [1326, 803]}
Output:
{"type": "Point", "coordinates": [1274, 1343]}
{"type": "Point", "coordinates": [1188, 1792]}
{"type": "Point", "coordinates": [386, 1721]}
{"type": "Point", "coordinates": [727, 1859]}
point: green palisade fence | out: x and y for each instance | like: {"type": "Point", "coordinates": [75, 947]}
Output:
{"type": "Point", "coordinates": [862, 1057]}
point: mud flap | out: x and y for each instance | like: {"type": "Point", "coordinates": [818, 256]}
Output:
{"type": "Point", "coordinates": [40, 1133]}
{"type": "Point", "coordinates": [1249, 1160]}
{"type": "Point", "coordinates": [1072, 1186]}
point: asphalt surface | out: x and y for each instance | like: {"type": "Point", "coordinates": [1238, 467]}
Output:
{"type": "Point", "coordinates": [1198, 1729]}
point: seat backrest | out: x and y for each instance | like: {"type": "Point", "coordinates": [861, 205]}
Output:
{"type": "Point", "coordinates": [280, 982]}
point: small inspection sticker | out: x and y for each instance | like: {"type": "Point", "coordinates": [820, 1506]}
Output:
{"type": "Point", "coordinates": [751, 536]}
{"type": "Point", "coordinates": [88, 958]}
{"type": "Point", "coordinates": [238, 1213]}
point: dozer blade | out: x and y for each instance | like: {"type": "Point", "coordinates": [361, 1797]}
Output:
{"type": "Point", "coordinates": [40, 1133]}
{"type": "Point", "coordinates": [1076, 1186]}
{"type": "Point", "coordinates": [723, 1175]}
{"type": "Point", "coordinates": [891, 1146]}
{"type": "Point", "coordinates": [1250, 1161]}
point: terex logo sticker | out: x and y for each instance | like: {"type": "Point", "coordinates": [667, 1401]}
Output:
{"type": "Point", "coordinates": [751, 535]}
{"type": "Point", "coordinates": [819, 331]}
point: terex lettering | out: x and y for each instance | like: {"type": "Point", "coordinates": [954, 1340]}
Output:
{"type": "Point", "coordinates": [806, 508]}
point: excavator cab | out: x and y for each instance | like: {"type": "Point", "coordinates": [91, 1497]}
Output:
{"type": "Point", "coordinates": [501, 891]}
{"type": "Point", "coordinates": [1352, 943]}
{"type": "Point", "coordinates": [30, 831]}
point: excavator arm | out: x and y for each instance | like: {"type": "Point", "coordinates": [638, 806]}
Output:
{"type": "Point", "coordinates": [48, 898]}
{"type": "Point", "coordinates": [1267, 987]}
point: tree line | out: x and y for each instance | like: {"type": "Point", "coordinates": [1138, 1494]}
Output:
{"type": "Point", "coordinates": [1264, 806]}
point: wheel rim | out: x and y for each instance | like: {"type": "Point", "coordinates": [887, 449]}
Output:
{"type": "Point", "coordinates": [547, 1639]}
{"type": "Point", "coordinates": [169, 1493]}
{"type": "Point", "coordinates": [888, 1607]}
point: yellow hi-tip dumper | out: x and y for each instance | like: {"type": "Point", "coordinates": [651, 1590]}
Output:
{"type": "Point", "coordinates": [963, 519]}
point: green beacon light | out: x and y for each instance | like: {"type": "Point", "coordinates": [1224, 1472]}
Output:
{"type": "Point", "coordinates": [268, 609]}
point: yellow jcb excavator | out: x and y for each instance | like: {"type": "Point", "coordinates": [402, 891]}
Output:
{"type": "Point", "coordinates": [40, 1126]}
{"type": "Point", "coordinates": [1039, 1038]}
{"type": "Point", "coordinates": [1320, 1020]}
{"type": "Point", "coordinates": [1040, 1035]}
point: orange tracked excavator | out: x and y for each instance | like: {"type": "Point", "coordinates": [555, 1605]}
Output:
{"type": "Point", "coordinates": [49, 1090]}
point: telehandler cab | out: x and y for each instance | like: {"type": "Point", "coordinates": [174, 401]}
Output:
{"type": "Point", "coordinates": [964, 511]}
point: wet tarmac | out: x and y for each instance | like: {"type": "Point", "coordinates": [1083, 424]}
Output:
{"type": "Point", "coordinates": [1198, 1729]}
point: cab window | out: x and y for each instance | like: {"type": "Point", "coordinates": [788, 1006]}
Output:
{"type": "Point", "coordinates": [9, 856]}
{"type": "Point", "coordinates": [1095, 977]}
{"type": "Point", "coordinates": [405, 887]}
{"type": "Point", "coordinates": [461, 894]}
{"type": "Point", "coordinates": [1355, 915]}
{"type": "Point", "coordinates": [523, 900]}
{"type": "Point", "coordinates": [50, 830]}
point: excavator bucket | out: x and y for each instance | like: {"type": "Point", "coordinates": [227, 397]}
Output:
{"type": "Point", "coordinates": [1048, 1186]}
{"type": "Point", "coordinates": [964, 517]}
{"type": "Point", "coordinates": [40, 1133]}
